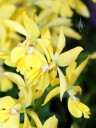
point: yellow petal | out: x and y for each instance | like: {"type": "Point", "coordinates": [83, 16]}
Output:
{"type": "Point", "coordinates": [82, 11]}
{"type": "Point", "coordinates": [62, 83]}
{"type": "Point", "coordinates": [45, 34]}
{"type": "Point", "coordinates": [17, 27]}
{"type": "Point", "coordinates": [66, 11]}
{"type": "Point", "coordinates": [35, 117]}
{"type": "Point", "coordinates": [68, 57]}
{"type": "Point", "coordinates": [12, 122]}
{"type": "Point", "coordinates": [78, 70]}
{"type": "Point", "coordinates": [4, 55]}
{"type": "Point", "coordinates": [55, 81]}
{"type": "Point", "coordinates": [85, 110]}
{"type": "Point", "coordinates": [70, 69]}
{"type": "Point", "coordinates": [38, 94]}
{"type": "Point", "coordinates": [27, 123]}
{"type": "Point", "coordinates": [44, 48]}
{"type": "Point", "coordinates": [6, 11]}
{"type": "Point", "coordinates": [59, 21]}
{"type": "Point", "coordinates": [52, 122]}
{"type": "Point", "coordinates": [30, 26]}
{"type": "Point", "coordinates": [17, 79]}
{"type": "Point", "coordinates": [4, 112]}
{"type": "Point", "coordinates": [5, 84]}
{"type": "Point", "coordinates": [68, 31]}
{"type": "Point", "coordinates": [17, 53]}
{"type": "Point", "coordinates": [28, 99]}
{"type": "Point", "coordinates": [43, 82]}
{"type": "Point", "coordinates": [43, 17]}
{"type": "Point", "coordinates": [73, 108]}
{"type": "Point", "coordinates": [51, 94]}
{"type": "Point", "coordinates": [56, 6]}
{"type": "Point", "coordinates": [61, 42]}
{"type": "Point", "coordinates": [33, 61]}
{"type": "Point", "coordinates": [9, 63]}
{"type": "Point", "coordinates": [7, 102]}
{"type": "Point", "coordinates": [43, 4]}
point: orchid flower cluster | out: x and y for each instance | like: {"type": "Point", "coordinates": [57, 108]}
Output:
{"type": "Point", "coordinates": [38, 60]}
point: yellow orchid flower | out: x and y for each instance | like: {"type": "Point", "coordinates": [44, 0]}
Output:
{"type": "Point", "coordinates": [71, 76]}
{"type": "Point", "coordinates": [12, 109]}
{"type": "Point", "coordinates": [61, 60]}
{"type": "Point", "coordinates": [75, 107]}
{"type": "Point", "coordinates": [9, 112]}
{"type": "Point", "coordinates": [24, 61]}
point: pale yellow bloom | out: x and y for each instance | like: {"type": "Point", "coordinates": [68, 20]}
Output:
{"type": "Point", "coordinates": [59, 59]}
{"type": "Point", "coordinates": [71, 77]}
{"type": "Point", "coordinates": [9, 115]}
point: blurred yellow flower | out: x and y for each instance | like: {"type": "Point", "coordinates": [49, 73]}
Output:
{"type": "Point", "coordinates": [64, 7]}
{"type": "Point", "coordinates": [55, 13]}
{"type": "Point", "coordinates": [94, 0]}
